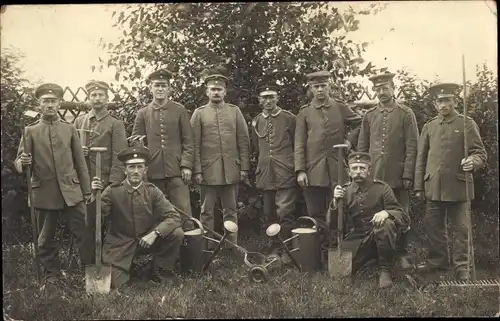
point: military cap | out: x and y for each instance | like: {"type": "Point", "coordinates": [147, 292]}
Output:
{"type": "Point", "coordinates": [318, 77]}
{"type": "Point", "coordinates": [49, 89]}
{"type": "Point", "coordinates": [267, 88]}
{"type": "Point", "coordinates": [359, 157]}
{"type": "Point", "coordinates": [382, 79]}
{"type": "Point", "coordinates": [444, 90]}
{"type": "Point", "coordinates": [216, 80]}
{"type": "Point", "coordinates": [134, 155]}
{"type": "Point", "coordinates": [95, 85]}
{"type": "Point", "coordinates": [160, 74]}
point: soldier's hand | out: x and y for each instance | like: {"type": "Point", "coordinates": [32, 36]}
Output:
{"type": "Point", "coordinates": [338, 192]}
{"type": "Point", "coordinates": [198, 178]}
{"type": "Point", "coordinates": [243, 175]}
{"type": "Point", "coordinates": [407, 184]}
{"type": "Point", "coordinates": [148, 240]}
{"type": "Point", "coordinates": [97, 184]}
{"type": "Point", "coordinates": [302, 179]}
{"type": "Point", "coordinates": [349, 145]}
{"type": "Point", "coordinates": [25, 159]}
{"type": "Point", "coordinates": [379, 218]}
{"type": "Point", "coordinates": [467, 164]}
{"type": "Point", "coordinates": [85, 151]}
{"type": "Point", "coordinates": [420, 195]}
{"type": "Point", "coordinates": [186, 175]}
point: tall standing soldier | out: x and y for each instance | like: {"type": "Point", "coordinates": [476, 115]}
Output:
{"type": "Point", "coordinates": [221, 149]}
{"type": "Point", "coordinates": [169, 138]}
{"type": "Point", "coordinates": [389, 133]}
{"type": "Point", "coordinates": [60, 180]}
{"type": "Point", "coordinates": [100, 129]}
{"type": "Point", "coordinates": [440, 179]}
{"type": "Point", "coordinates": [273, 132]}
{"type": "Point", "coordinates": [321, 124]}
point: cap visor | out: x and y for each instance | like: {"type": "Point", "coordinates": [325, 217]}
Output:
{"type": "Point", "coordinates": [445, 95]}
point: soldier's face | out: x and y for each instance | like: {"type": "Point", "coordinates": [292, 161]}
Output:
{"type": "Point", "coordinates": [268, 102]}
{"type": "Point", "coordinates": [320, 91]}
{"type": "Point", "coordinates": [445, 105]}
{"type": "Point", "coordinates": [98, 98]}
{"type": "Point", "coordinates": [384, 92]}
{"type": "Point", "coordinates": [359, 172]}
{"type": "Point", "coordinates": [160, 89]}
{"type": "Point", "coordinates": [136, 173]}
{"type": "Point", "coordinates": [49, 105]}
{"type": "Point", "coordinates": [216, 93]}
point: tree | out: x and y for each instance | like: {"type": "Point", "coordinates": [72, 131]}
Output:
{"type": "Point", "coordinates": [248, 39]}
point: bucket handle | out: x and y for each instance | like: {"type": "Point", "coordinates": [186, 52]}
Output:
{"type": "Point", "coordinates": [200, 226]}
{"type": "Point", "coordinates": [310, 219]}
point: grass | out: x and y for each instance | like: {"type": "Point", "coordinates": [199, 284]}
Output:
{"type": "Point", "coordinates": [225, 292]}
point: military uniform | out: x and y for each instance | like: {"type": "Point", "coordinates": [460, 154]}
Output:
{"type": "Point", "coordinates": [439, 174]}
{"type": "Point", "coordinates": [221, 151]}
{"type": "Point", "coordinates": [319, 127]}
{"type": "Point", "coordinates": [133, 212]}
{"type": "Point", "coordinates": [169, 137]}
{"type": "Point", "coordinates": [272, 137]}
{"type": "Point", "coordinates": [361, 203]}
{"type": "Point", "coordinates": [60, 181]}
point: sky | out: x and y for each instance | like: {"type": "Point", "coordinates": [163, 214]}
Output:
{"type": "Point", "coordinates": [428, 38]}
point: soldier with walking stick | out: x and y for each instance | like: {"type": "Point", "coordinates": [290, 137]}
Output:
{"type": "Point", "coordinates": [60, 179]}
{"type": "Point", "coordinates": [440, 179]}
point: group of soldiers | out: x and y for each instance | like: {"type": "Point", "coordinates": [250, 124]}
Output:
{"type": "Point", "coordinates": [146, 199]}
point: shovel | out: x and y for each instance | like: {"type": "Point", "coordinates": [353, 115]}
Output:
{"type": "Point", "coordinates": [339, 260]}
{"type": "Point", "coordinates": [98, 276]}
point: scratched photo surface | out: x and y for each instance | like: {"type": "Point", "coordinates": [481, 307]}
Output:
{"type": "Point", "coordinates": [250, 160]}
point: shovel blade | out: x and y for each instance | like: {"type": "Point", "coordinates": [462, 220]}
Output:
{"type": "Point", "coordinates": [98, 279]}
{"type": "Point", "coordinates": [339, 263]}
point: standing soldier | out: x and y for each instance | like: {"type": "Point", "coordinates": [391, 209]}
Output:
{"type": "Point", "coordinates": [169, 138]}
{"type": "Point", "coordinates": [389, 133]}
{"type": "Point", "coordinates": [59, 178]}
{"type": "Point", "coordinates": [273, 133]}
{"type": "Point", "coordinates": [440, 178]}
{"type": "Point", "coordinates": [98, 128]}
{"type": "Point", "coordinates": [321, 124]}
{"type": "Point", "coordinates": [221, 149]}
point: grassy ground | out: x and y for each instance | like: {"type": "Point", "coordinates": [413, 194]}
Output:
{"type": "Point", "coordinates": [227, 293]}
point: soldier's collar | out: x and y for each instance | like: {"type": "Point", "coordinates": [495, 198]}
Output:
{"type": "Point", "coordinates": [50, 120]}
{"type": "Point", "coordinates": [383, 109]}
{"type": "Point", "coordinates": [365, 186]}
{"type": "Point", "coordinates": [222, 103]}
{"type": "Point", "coordinates": [449, 119]}
{"type": "Point", "coordinates": [104, 112]}
{"type": "Point", "coordinates": [131, 189]}
{"type": "Point", "coordinates": [278, 110]}
{"type": "Point", "coordinates": [318, 104]}
{"type": "Point", "coordinates": [157, 106]}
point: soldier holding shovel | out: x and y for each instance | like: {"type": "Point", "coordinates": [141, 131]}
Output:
{"type": "Point", "coordinates": [60, 180]}
{"type": "Point", "coordinates": [375, 219]}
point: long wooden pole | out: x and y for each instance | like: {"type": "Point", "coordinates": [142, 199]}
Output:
{"type": "Point", "coordinates": [34, 225]}
{"type": "Point", "coordinates": [470, 244]}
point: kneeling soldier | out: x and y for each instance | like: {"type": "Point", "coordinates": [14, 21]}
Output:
{"type": "Point", "coordinates": [375, 220]}
{"type": "Point", "coordinates": [141, 221]}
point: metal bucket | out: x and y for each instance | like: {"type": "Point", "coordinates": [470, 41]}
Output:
{"type": "Point", "coordinates": [192, 254]}
{"type": "Point", "coordinates": [306, 247]}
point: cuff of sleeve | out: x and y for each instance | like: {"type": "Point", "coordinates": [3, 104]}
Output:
{"type": "Point", "coordinates": [18, 166]}
{"type": "Point", "coordinates": [186, 164]}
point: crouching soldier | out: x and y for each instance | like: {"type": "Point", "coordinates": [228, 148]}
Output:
{"type": "Point", "coordinates": [59, 178]}
{"type": "Point", "coordinates": [375, 220]}
{"type": "Point", "coordinates": [141, 221]}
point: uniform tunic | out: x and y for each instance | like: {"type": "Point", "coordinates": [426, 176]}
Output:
{"type": "Point", "coordinates": [390, 136]}
{"type": "Point", "coordinates": [132, 214]}
{"type": "Point", "coordinates": [273, 137]}
{"type": "Point", "coordinates": [318, 128]}
{"type": "Point", "coordinates": [111, 135]}
{"type": "Point", "coordinates": [221, 143]}
{"type": "Point", "coordinates": [59, 172]}
{"type": "Point", "coordinates": [169, 138]}
{"type": "Point", "coordinates": [440, 150]}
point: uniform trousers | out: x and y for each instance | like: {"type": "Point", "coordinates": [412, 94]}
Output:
{"type": "Point", "coordinates": [177, 192]}
{"type": "Point", "coordinates": [279, 207]}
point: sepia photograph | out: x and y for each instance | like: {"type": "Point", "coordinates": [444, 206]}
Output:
{"type": "Point", "coordinates": [249, 160]}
